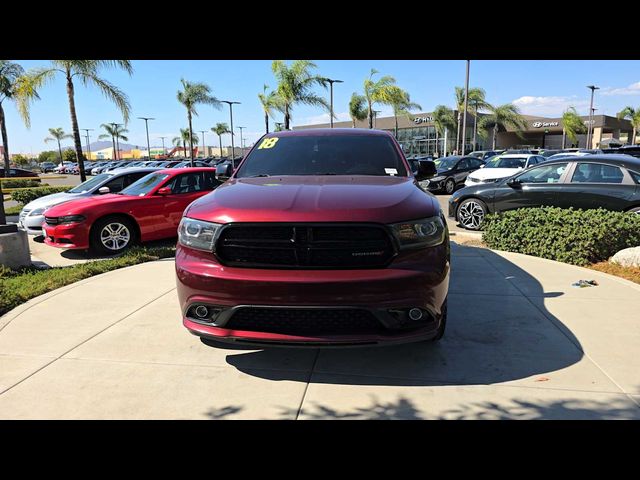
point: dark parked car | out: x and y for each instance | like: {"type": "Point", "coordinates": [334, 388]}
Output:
{"type": "Point", "coordinates": [452, 172]}
{"type": "Point", "coordinates": [630, 150]}
{"type": "Point", "coordinates": [18, 172]}
{"type": "Point", "coordinates": [604, 181]}
{"type": "Point", "coordinates": [483, 154]}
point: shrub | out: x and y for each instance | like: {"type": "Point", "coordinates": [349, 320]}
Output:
{"type": "Point", "coordinates": [579, 237]}
{"type": "Point", "coordinates": [21, 183]}
{"type": "Point", "coordinates": [16, 287]}
{"type": "Point", "coordinates": [30, 194]}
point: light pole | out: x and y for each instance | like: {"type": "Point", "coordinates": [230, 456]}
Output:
{"type": "Point", "coordinates": [204, 145]}
{"type": "Point", "coordinates": [331, 82]}
{"type": "Point", "coordinates": [475, 123]}
{"type": "Point", "coordinates": [87, 130]}
{"type": "Point", "coordinates": [593, 114]}
{"type": "Point", "coordinates": [115, 126]}
{"type": "Point", "coordinates": [233, 150]}
{"type": "Point", "coordinates": [375, 116]}
{"type": "Point", "coordinates": [593, 88]}
{"type": "Point", "coordinates": [466, 104]}
{"type": "Point", "coordinates": [241, 140]}
{"type": "Point", "coordinates": [146, 124]}
{"type": "Point", "coordinates": [163, 150]}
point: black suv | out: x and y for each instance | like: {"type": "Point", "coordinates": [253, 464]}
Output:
{"type": "Point", "coordinates": [452, 172]}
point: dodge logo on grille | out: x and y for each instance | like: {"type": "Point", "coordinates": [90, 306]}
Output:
{"type": "Point", "coordinates": [366, 254]}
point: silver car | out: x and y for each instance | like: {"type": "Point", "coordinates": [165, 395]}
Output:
{"type": "Point", "coordinates": [32, 215]}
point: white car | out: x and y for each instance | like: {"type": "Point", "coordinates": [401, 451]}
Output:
{"type": "Point", "coordinates": [32, 214]}
{"type": "Point", "coordinates": [502, 166]}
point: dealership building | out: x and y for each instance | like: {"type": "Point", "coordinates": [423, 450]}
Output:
{"type": "Point", "coordinates": [417, 134]}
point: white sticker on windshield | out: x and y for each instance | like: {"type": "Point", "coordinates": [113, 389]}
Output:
{"type": "Point", "coordinates": [391, 171]}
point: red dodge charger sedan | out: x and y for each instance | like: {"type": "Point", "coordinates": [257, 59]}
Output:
{"type": "Point", "coordinates": [320, 237]}
{"type": "Point", "coordinates": [149, 209]}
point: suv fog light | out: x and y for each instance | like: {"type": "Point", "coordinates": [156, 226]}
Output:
{"type": "Point", "coordinates": [415, 314]}
{"type": "Point", "coordinates": [201, 311]}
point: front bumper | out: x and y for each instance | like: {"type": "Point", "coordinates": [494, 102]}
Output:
{"type": "Point", "coordinates": [31, 224]}
{"type": "Point", "coordinates": [69, 236]}
{"type": "Point", "coordinates": [419, 279]}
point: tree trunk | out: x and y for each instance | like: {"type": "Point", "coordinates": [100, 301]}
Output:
{"type": "Point", "coordinates": [396, 130]}
{"type": "Point", "coordinates": [437, 144]}
{"type": "Point", "coordinates": [74, 126]}
{"type": "Point", "coordinates": [370, 114]}
{"type": "Point", "coordinates": [113, 141]}
{"type": "Point", "coordinates": [353, 120]}
{"type": "Point", "coordinates": [60, 152]}
{"type": "Point", "coordinates": [286, 118]}
{"type": "Point", "coordinates": [633, 138]}
{"type": "Point", "coordinates": [475, 128]}
{"type": "Point", "coordinates": [266, 121]}
{"type": "Point", "coordinates": [458, 132]}
{"type": "Point", "coordinates": [5, 142]}
{"type": "Point", "coordinates": [495, 135]}
{"type": "Point", "coordinates": [564, 138]}
{"type": "Point", "coordinates": [220, 139]}
{"type": "Point", "coordinates": [190, 138]}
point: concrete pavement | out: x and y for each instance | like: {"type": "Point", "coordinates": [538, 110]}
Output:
{"type": "Point", "coordinates": [520, 343]}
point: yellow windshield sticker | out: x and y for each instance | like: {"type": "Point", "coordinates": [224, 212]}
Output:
{"type": "Point", "coordinates": [268, 143]}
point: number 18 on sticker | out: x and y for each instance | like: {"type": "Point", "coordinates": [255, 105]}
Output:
{"type": "Point", "coordinates": [268, 143]}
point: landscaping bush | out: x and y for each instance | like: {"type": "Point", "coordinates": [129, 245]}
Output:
{"type": "Point", "coordinates": [18, 286]}
{"type": "Point", "coordinates": [579, 237]}
{"type": "Point", "coordinates": [30, 194]}
{"type": "Point", "coordinates": [21, 183]}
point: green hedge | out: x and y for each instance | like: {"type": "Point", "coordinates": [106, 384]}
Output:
{"type": "Point", "coordinates": [21, 183]}
{"type": "Point", "coordinates": [30, 194]}
{"type": "Point", "coordinates": [16, 287]}
{"type": "Point", "coordinates": [579, 237]}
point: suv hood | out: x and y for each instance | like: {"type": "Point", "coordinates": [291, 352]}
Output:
{"type": "Point", "coordinates": [53, 199]}
{"type": "Point", "coordinates": [483, 173]}
{"type": "Point", "coordinates": [340, 198]}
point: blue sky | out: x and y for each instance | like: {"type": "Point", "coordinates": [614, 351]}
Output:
{"type": "Point", "coordinates": [543, 88]}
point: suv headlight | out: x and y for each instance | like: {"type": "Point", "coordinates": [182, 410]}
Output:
{"type": "Point", "coordinates": [439, 178]}
{"type": "Point", "coordinates": [420, 233]}
{"type": "Point", "coordinates": [197, 234]}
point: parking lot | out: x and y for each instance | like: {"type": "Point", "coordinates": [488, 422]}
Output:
{"type": "Point", "coordinates": [521, 343]}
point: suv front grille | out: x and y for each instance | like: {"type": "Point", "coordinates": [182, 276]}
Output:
{"type": "Point", "coordinates": [305, 321]}
{"type": "Point", "coordinates": [305, 246]}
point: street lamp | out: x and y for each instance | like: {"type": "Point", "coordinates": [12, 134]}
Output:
{"type": "Point", "coordinates": [466, 104]}
{"type": "Point", "coordinates": [241, 140]}
{"type": "Point", "coordinates": [163, 150]}
{"type": "Point", "coordinates": [204, 145]}
{"type": "Point", "coordinates": [233, 149]}
{"type": "Point", "coordinates": [115, 126]}
{"type": "Point", "coordinates": [331, 82]}
{"type": "Point", "coordinates": [146, 124]}
{"type": "Point", "coordinates": [87, 130]}
{"type": "Point", "coordinates": [593, 88]}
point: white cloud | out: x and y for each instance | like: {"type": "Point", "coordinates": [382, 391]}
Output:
{"type": "Point", "coordinates": [633, 89]}
{"type": "Point", "coordinates": [549, 106]}
{"type": "Point", "coordinates": [323, 118]}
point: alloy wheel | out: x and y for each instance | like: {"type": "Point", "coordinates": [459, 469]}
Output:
{"type": "Point", "coordinates": [115, 236]}
{"type": "Point", "coordinates": [471, 214]}
{"type": "Point", "coordinates": [449, 186]}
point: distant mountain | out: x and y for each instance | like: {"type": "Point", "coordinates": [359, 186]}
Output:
{"type": "Point", "coordinates": [105, 144]}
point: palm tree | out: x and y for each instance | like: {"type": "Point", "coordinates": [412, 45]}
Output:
{"type": "Point", "coordinates": [88, 73]}
{"type": "Point", "coordinates": [379, 91]}
{"type": "Point", "coordinates": [401, 103]}
{"type": "Point", "coordinates": [443, 120]}
{"type": "Point", "coordinates": [502, 116]}
{"type": "Point", "coordinates": [57, 134]}
{"type": "Point", "coordinates": [191, 95]}
{"type": "Point", "coordinates": [634, 116]}
{"type": "Point", "coordinates": [269, 102]}
{"type": "Point", "coordinates": [115, 132]}
{"type": "Point", "coordinates": [220, 129]}
{"type": "Point", "coordinates": [294, 86]}
{"type": "Point", "coordinates": [476, 97]}
{"type": "Point", "coordinates": [185, 137]}
{"type": "Point", "coordinates": [572, 124]}
{"type": "Point", "coordinates": [357, 109]}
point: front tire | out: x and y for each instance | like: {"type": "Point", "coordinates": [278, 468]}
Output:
{"type": "Point", "coordinates": [470, 213]}
{"type": "Point", "coordinates": [634, 210]}
{"type": "Point", "coordinates": [112, 235]}
{"type": "Point", "coordinates": [449, 186]}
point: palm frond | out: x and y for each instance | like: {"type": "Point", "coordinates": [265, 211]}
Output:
{"type": "Point", "coordinates": [111, 92]}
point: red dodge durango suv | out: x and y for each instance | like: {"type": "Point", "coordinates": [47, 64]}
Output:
{"type": "Point", "coordinates": [319, 237]}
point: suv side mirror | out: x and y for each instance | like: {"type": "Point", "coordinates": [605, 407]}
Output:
{"type": "Point", "coordinates": [164, 191]}
{"type": "Point", "coordinates": [224, 171]}
{"type": "Point", "coordinates": [426, 169]}
{"type": "Point", "coordinates": [514, 183]}
{"type": "Point", "coordinates": [104, 190]}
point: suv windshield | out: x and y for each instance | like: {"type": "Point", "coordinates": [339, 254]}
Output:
{"type": "Point", "coordinates": [516, 162]}
{"type": "Point", "coordinates": [324, 155]}
{"type": "Point", "coordinates": [89, 184]}
{"type": "Point", "coordinates": [144, 185]}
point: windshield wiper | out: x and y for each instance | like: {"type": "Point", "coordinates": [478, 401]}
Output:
{"type": "Point", "coordinates": [259, 175]}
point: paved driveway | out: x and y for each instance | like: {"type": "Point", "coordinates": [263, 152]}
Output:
{"type": "Point", "coordinates": [521, 343]}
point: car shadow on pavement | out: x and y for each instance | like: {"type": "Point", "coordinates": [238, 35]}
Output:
{"type": "Point", "coordinates": [91, 255]}
{"type": "Point", "coordinates": [494, 334]}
